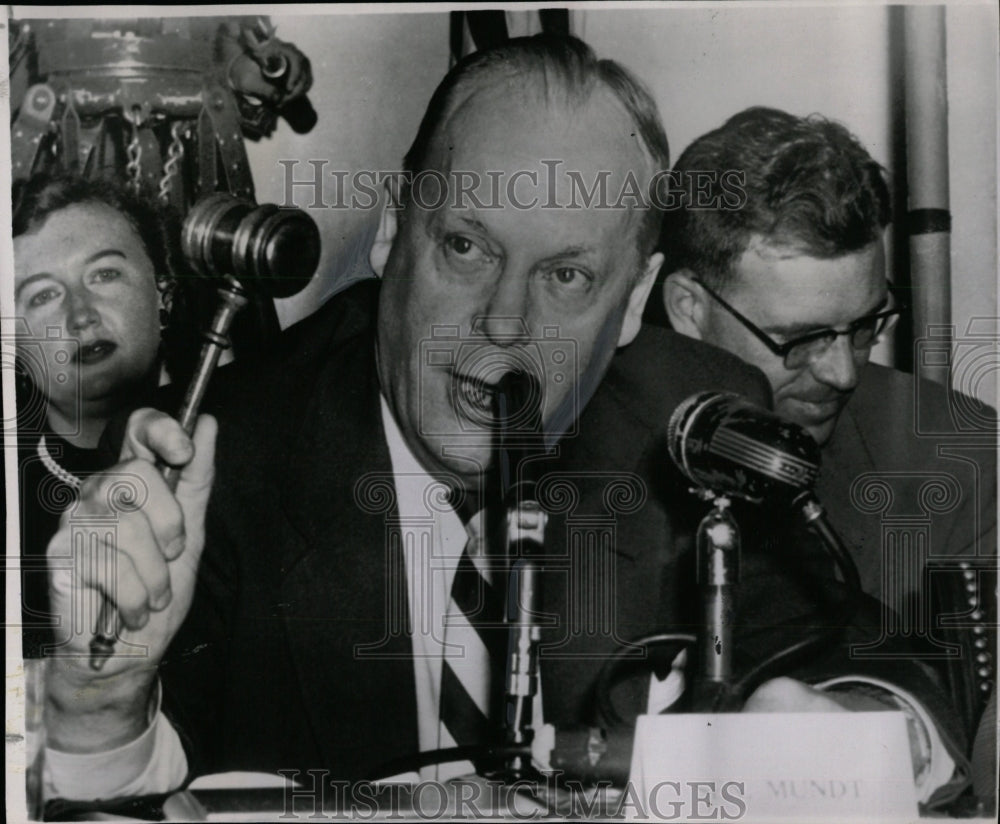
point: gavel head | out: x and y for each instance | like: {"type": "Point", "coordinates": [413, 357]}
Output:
{"type": "Point", "coordinates": [268, 249]}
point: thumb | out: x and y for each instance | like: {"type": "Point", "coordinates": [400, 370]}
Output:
{"type": "Point", "coordinates": [154, 436]}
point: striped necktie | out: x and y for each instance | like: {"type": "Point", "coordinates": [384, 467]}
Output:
{"type": "Point", "coordinates": [474, 657]}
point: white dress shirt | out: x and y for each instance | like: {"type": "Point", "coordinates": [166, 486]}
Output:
{"type": "Point", "coordinates": [434, 538]}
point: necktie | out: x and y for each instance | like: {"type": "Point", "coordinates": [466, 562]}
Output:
{"type": "Point", "coordinates": [473, 666]}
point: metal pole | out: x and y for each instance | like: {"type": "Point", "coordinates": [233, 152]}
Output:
{"type": "Point", "coordinates": [928, 216]}
{"type": "Point", "coordinates": [718, 576]}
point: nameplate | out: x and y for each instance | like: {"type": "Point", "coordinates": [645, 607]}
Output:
{"type": "Point", "coordinates": [772, 767]}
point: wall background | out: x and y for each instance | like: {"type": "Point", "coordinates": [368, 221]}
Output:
{"type": "Point", "coordinates": [372, 77]}
{"type": "Point", "coordinates": [374, 74]}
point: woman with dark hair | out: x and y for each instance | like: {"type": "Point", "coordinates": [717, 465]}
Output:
{"type": "Point", "coordinates": [102, 318]}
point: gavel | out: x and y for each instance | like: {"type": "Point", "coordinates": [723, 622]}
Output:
{"type": "Point", "coordinates": [242, 247]}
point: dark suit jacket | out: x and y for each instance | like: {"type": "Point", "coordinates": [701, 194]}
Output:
{"type": "Point", "coordinates": [881, 481]}
{"type": "Point", "coordinates": [297, 653]}
{"type": "Point", "coordinates": [910, 479]}
{"type": "Point", "coordinates": [788, 584]}
{"type": "Point", "coordinates": [904, 449]}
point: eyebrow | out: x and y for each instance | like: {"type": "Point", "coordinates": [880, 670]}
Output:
{"type": "Point", "coordinates": [577, 250]}
{"type": "Point", "coordinates": [104, 253]}
{"type": "Point", "coordinates": [90, 259]}
{"type": "Point", "coordinates": [473, 223]}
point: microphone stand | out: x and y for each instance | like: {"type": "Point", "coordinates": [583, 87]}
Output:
{"type": "Point", "coordinates": [718, 574]}
{"type": "Point", "coordinates": [525, 538]}
{"type": "Point", "coordinates": [518, 439]}
{"type": "Point", "coordinates": [519, 395]}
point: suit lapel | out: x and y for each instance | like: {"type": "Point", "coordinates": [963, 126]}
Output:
{"type": "Point", "coordinates": [845, 458]}
{"type": "Point", "coordinates": [343, 584]}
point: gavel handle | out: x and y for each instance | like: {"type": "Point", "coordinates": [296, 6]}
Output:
{"type": "Point", "coordinates": [232, 298]}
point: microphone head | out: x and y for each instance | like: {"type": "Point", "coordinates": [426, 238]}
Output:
{"type": "Point", "coordinates": [517, 405]}
{"type": "Point", "coordinates": [722, 442]}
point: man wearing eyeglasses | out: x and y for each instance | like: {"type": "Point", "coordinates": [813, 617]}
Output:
{"type": "Point", "coordinates": [813, 373]}
{"type": "Point", "coordinates": [783, 264]}
{"type": "Point", "coordinates": [777, 255]}
{"type": "Point", "coordinates": [790, 273]}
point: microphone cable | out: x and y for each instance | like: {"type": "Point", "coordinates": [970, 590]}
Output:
{"type": "Point", "coordinates": [734, 696]}
{"type": "Point", "coordinates": [817, 523]}
{"type": "Point", "coordinates": [605, 705]}
{"type": "Point", "coordinates": [729, 699]}
{"type": "Point", "coordinates": [475, 753]}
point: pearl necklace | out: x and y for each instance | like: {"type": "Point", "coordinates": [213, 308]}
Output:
{"type": "Point", "coordinates": [50, 464]}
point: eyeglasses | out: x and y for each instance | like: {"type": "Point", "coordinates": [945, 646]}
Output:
{"type": "Point", "coordinates": [863, 333]}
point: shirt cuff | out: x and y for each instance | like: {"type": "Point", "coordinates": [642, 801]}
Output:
{"type": "Point", "coordinates": [937, 765]}
{"type": "Point", "coordinates": [153, 763]}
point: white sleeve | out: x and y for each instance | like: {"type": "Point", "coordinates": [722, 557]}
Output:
{"type": "Point", "coordinates": [937, 766]}
{"type": "Point", "coordinates": [153, 763]}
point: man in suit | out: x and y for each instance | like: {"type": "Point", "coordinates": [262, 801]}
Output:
{"type": "Point", "coordinates": [386, 391]}
{"type": "Point", "coordinates": [295, 620]}
{"type": "Point", "coordinates": [783, 263]}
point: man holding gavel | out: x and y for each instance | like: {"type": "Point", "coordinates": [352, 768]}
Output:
{"type": "Point", "coordinates": [314, 618]}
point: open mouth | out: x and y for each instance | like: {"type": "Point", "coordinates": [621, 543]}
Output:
{"type": "Point", "coordinates": [95, 352]}
{"type": "Point", "coordinates": [474, 396]}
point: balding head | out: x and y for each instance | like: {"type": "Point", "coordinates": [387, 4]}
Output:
{"type": "Point", "coordinates": [564, 74]}
{"type": "Point", "coordinates": [502, 272]}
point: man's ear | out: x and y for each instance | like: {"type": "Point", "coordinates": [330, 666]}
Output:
{"type": "Point", "coordinates": [685, 301]}
{"type": "Point", "coordinates": [388, 225]}
{"type": "Point", "coordinates": [637, 300]}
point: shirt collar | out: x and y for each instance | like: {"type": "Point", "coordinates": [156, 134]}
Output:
{"type": "Point", "coordinates": [416, 491]}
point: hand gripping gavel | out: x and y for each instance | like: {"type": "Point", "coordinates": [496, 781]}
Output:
{"type": "Point", "coordinates": [242, 246]}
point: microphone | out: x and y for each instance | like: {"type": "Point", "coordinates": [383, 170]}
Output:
{"type": "Point", "coordinates": [722, 442]}
{"type": "Point", "coordinates": [518, 410]}
{"type": "Point", "coordinates": [518, 414]}
{"type": "Point", "coordinates": [727, 445]}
